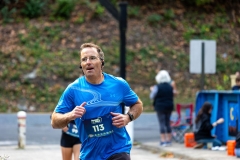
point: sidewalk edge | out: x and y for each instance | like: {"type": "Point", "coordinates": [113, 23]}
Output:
{"type": "Point", "coordinates": [165, 149]}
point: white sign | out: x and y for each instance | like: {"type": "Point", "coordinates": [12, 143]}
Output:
{"type": "Point", "coordinates": [209, 56]}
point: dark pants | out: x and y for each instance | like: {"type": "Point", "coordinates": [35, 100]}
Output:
{"type": "Point", "coordinates": [215, 141]}
{"type": "Point", "coordinates": [164, 121]}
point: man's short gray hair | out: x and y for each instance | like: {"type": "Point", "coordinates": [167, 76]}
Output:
{"type": "Point", "coordinates": [163, 77]}
{"type": "Point", "coordinates": [99, 50]}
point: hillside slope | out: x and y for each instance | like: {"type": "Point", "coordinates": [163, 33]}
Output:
{"type": "Point", "coordinates": [157, 38]}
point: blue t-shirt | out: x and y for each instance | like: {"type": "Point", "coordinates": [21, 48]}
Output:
{"type": "Point", "coordinates": [101, 100]}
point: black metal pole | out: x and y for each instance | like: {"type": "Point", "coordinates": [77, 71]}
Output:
{"type": "Point", "coordinates": [110, 7]}
{"type": "Point", "coordinates": [203, 67]}
{"type": "Point", "coordinates": [123, 29]}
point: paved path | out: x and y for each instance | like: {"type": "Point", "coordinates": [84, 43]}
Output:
{"type": "Point", "coordinates": [53, 152]}
{"type": "Point", "coordinates": [145, 151]}
{"type": "Point", "coordinates": [183, 153]}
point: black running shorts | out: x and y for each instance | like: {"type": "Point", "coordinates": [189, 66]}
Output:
{"type": "Point", "coordinates": [69, 141]}
{"type": "Point", "coordinates": [120, 156]}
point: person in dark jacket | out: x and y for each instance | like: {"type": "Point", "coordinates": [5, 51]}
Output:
{"type": "Point", "coordinates": [204, 126]}
{"type": "Point", "coordinates": [162, 94]}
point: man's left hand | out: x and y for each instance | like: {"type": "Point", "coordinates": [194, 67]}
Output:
{"type": "Point", "coordinates": [120, 120]}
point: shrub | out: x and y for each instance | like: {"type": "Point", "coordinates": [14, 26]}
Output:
{"type": "Point", "coordinates": [33, 8]}
{"type": "Point", "coordinates": [7, 14]}
{"type": "Point", "coordinates": [154, 19]}
{"type": "Point", "coordinates": [97, 9]}
{"type": "Point", "coordinates": [169, 14]}
{"type": "Point", "coordinates": [198, 2]}
{"type": "Point", "coordinates": [64, 8]}
{"type": "Point", "coordinates": [133, 11]}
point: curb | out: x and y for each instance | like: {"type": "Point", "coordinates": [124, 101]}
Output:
{"type": "Point", "coordinates": [176, 154]}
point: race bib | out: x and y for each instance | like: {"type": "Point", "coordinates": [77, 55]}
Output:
{"type": "Point", "coordinates": [98, 127]}
{"type": "Point", "coordinates": [72, 130]}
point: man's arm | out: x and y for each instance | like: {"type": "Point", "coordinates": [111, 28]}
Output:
{"type": "Point", "coordinates": [120, 120]}
{"type": "Point", "coordinates": [136, 109]}
{"type": "Point", "coordinates": [60, 120]}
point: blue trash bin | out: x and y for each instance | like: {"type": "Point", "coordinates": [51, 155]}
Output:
{"type": "Point", "coordinates": [226, 104]}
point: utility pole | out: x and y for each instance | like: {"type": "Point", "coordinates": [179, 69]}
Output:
{"type": "Point", "coordinates": [122, 19]}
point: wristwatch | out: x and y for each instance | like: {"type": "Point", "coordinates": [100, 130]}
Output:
{"type": "Point", "coordinates": [130, 116]}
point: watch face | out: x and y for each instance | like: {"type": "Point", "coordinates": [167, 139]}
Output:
{"type": "Point", "coordinates": [130, 116]}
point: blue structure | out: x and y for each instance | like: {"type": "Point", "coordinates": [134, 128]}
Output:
{"type": "Point", "coordinates": [226, 104]}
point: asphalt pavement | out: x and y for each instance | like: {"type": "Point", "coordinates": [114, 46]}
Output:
{"type": "Point", "coordinates": [140, 151]}
{"type": "Point", "coordinates": [184, 153]}
{"type": "Point", "coordinates": [53, 152]}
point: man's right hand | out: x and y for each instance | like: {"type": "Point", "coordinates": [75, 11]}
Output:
{"type": "Point", "coordinates": [78, 111]}
{"type": "Point", "coordinates": [60, 120]}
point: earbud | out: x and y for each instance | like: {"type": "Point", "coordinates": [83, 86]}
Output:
{"type": "Point", "coordinates": [81, 69]}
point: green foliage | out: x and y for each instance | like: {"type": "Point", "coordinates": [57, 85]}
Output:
{"type": "Point", "coordinates": [154, 19]}
{"type": "Point", "coordinates": [198, 2]}
{"type": "Point", "coordinates": [143, 52]}
{"type": "Point", "coordinates": [236, 52]}
{"type": "Point", "coordinates": [130, 56]}
{"type": "Point", "coordinates": [7, 14]}
{"type": "Point", "coordinates": [144, 96]}
{"type": "Point", "coordinates": [188, 34]}
{"type": "Point", "coordinates": [225, 85]}
{"type": "Point", "coordinates": [35, 52]}
{"type": "Point", "coordinates": [97, 9]}
{"type": "Point", "coordinates": [168, 14]}
{"type": "Point", "coordinates": [33, 8]}
{"type": "Point", "coordinates": [114, 2]}
{"type": "Point", "coordinates": [229, 64]}
{"type": "Point", "coordinates": [182, 60]}
{"type": "Point", "coordinates": [219, 20]}
{"type": "Point", "coordinates": [207, 30]}
{"type": "Point", "coordinates": [35, 36]}
{"type": "Point", "coordinates": [113, 54]}
{"type": "Point", "coordinates": [134, 11]}
{"type": "Point", "coordinates": [64, 8]}
{"type": "Point", "coordinates": [173, 24]}
{"type": "Point", "coordinates": [80, 20]}
{"type": "Point", "coordinates": [3, 108]}
{"type": "Point", "coordinates": [185, 100]}
{"type": "Point", "coordinates": [202, 2]}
